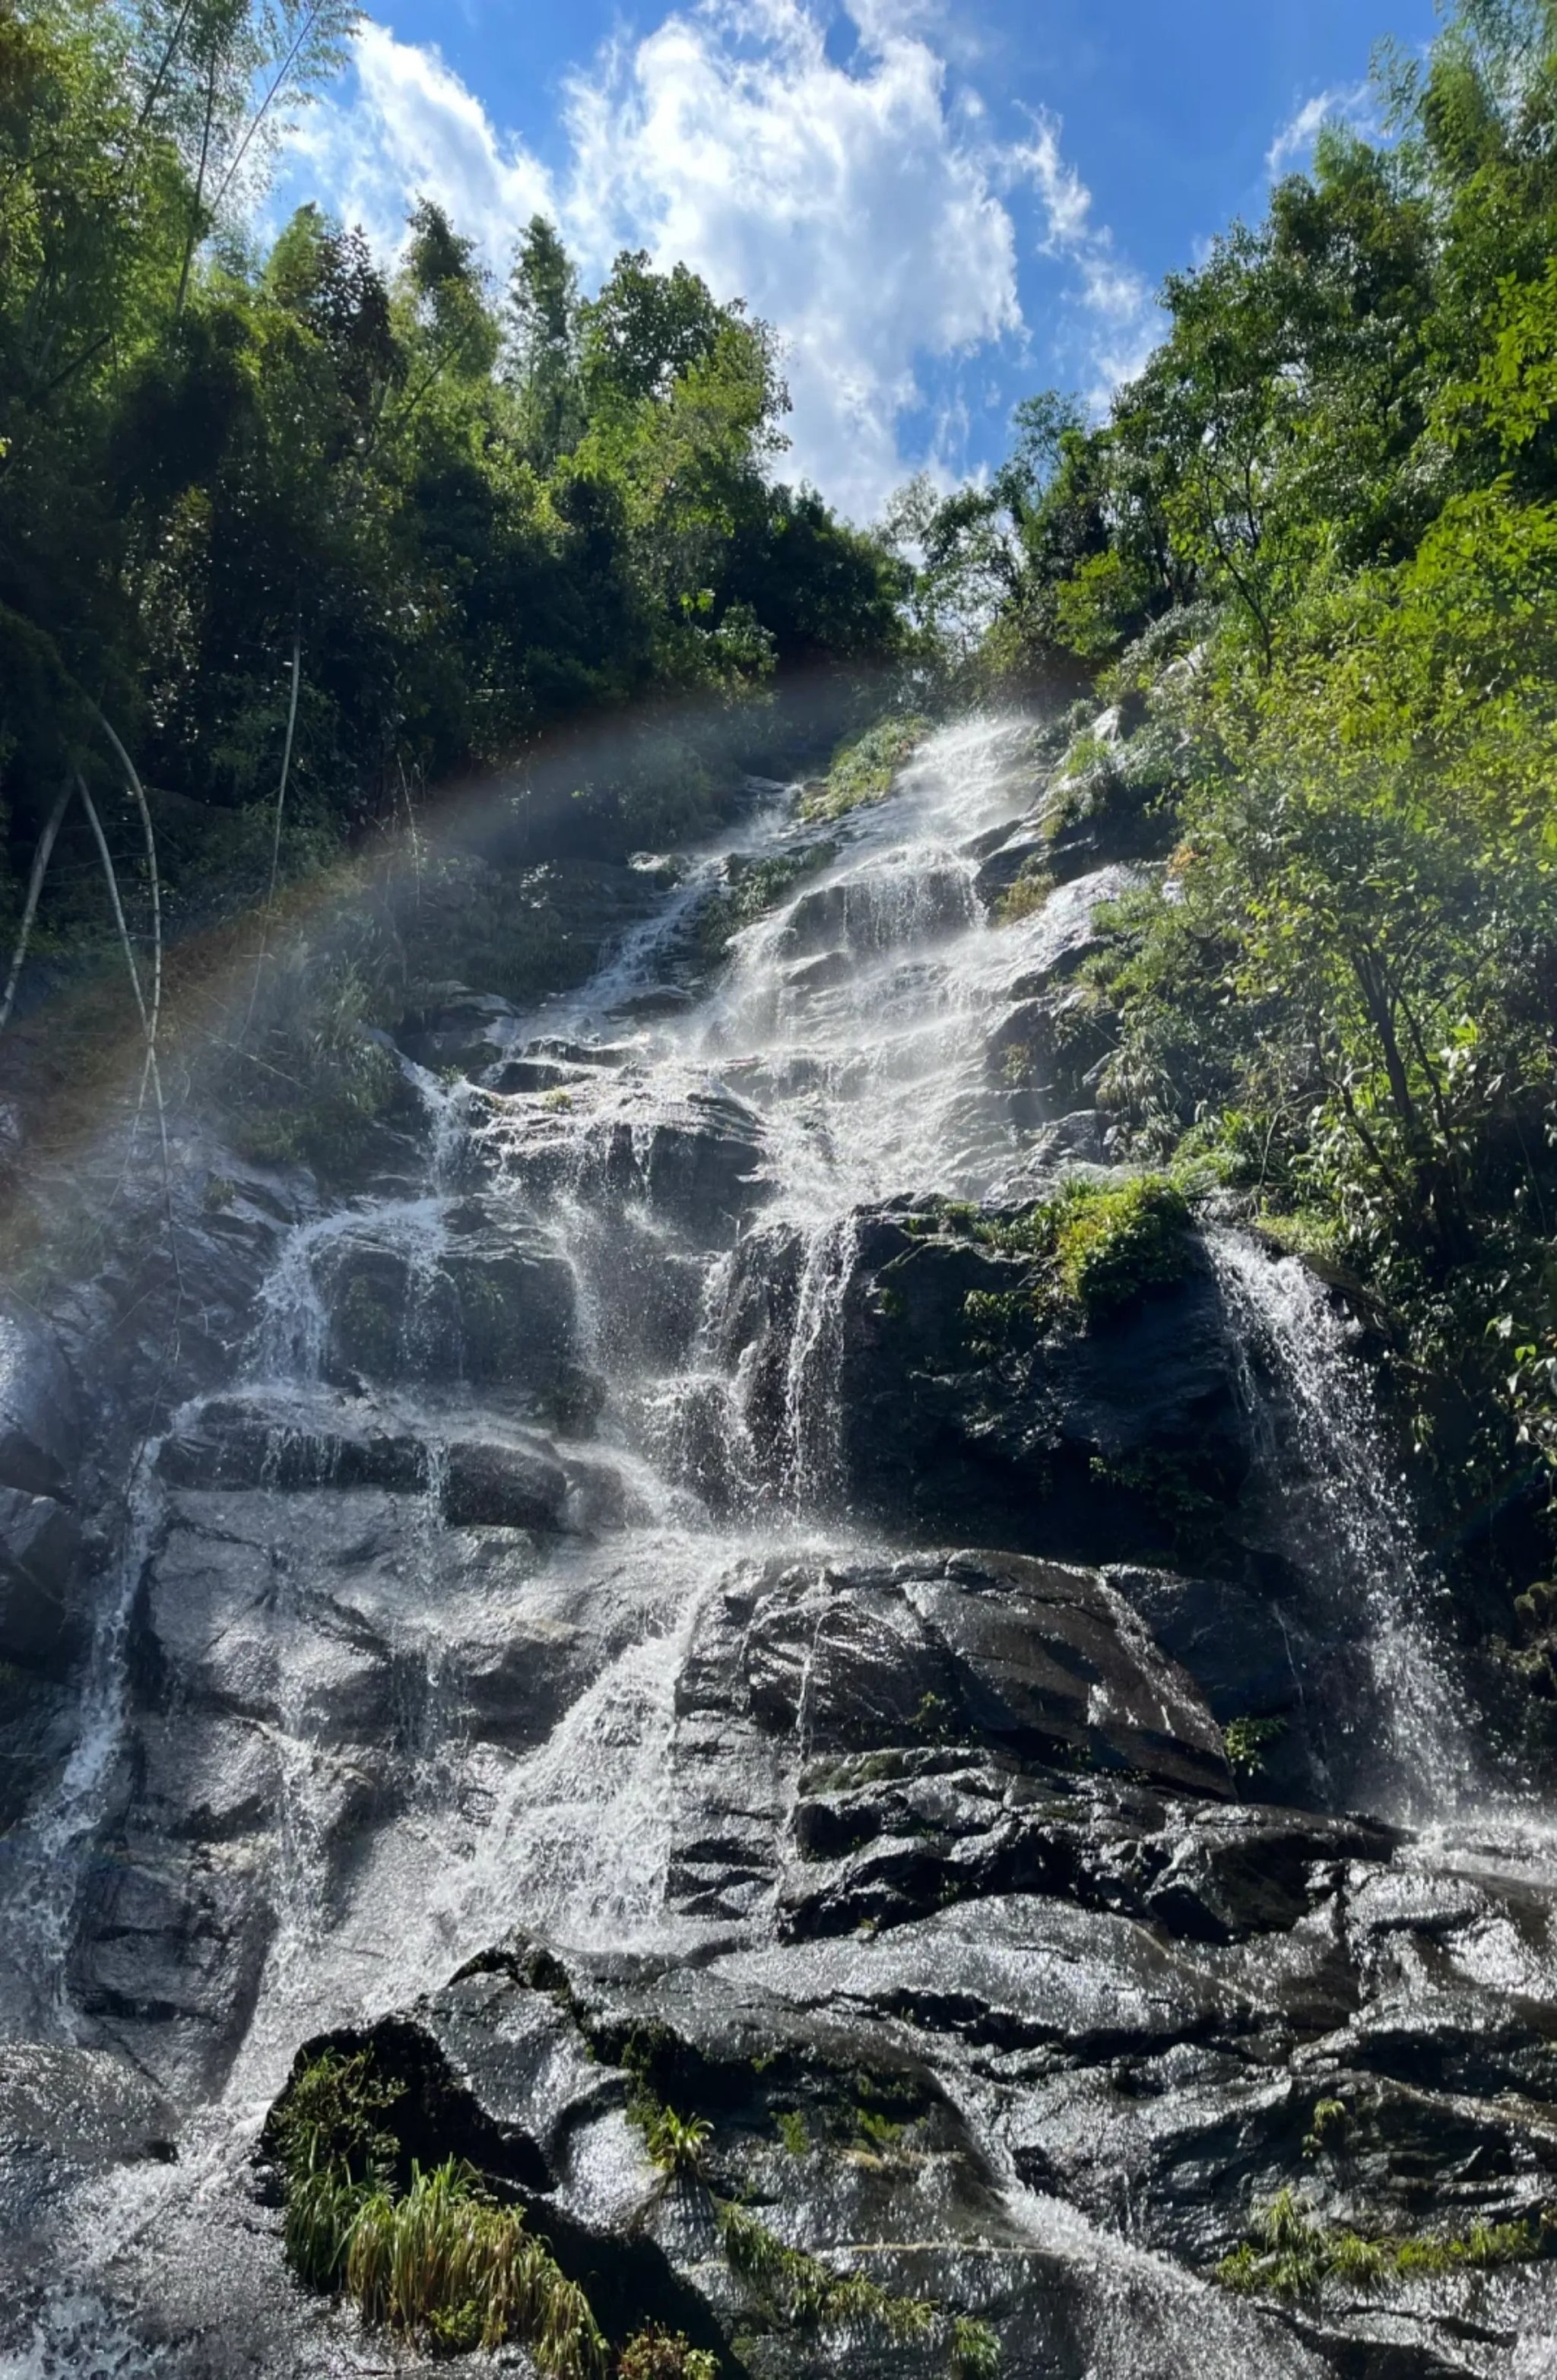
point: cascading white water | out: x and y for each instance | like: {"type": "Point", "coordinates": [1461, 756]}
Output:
{"type": "Point", "coordinates": [870, 1076]}
{"type": "Point", "coordinates": [855, 1020]}
{"type": "Point", "coordinates": [812, 1419]}
{"type": "Point", "coordinates": [1395, 1733]}
{"type": "Point", "coordinates": [47, 1856]}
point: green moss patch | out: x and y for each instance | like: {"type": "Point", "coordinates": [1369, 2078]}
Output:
{"type": "Point", "coordinates": [862, 771]}
{"type": "Point", "coordinates": [1092, 1251]}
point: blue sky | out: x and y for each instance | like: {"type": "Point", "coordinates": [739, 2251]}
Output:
{"type": "Point", "coordinates": [941, 208]}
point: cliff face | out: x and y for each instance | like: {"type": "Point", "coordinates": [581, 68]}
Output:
{"type": "Point", "coordinates": [832, 1690]}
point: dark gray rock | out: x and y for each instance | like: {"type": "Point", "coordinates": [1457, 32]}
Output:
{"type": "Point", "coordinates": [1052, 1047]}
{"type": "Point", "coordinates": [509, 1485]}
{"type": "Point", "coordinates": [41, 1620]}
{"type": "Point", "coordinates": [1025, 847]}
{"type": "Point", "coordinates": [453, 1027]}
{"type": "Point", "coordinates": [39, 1424]}
{"type": "Point", "coordinates": [1233, 1636]}
{"type": "Point", "coordinates": [1126, 1439]}
{"type": "Point", "coordinates": [288, 1444]}
{"type": "Point", "coordinates": [1055, 941]}
{"type": "Point", "coordinates": [493, 1300]}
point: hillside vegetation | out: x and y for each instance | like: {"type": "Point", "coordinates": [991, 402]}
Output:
{"type": "Point", "coordinates": [1311, 556]}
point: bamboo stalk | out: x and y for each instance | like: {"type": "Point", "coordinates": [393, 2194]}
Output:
{"type": "Point", "coordinates": [275, 839]}
{"type": "Point", "coordinates": [34, 888]}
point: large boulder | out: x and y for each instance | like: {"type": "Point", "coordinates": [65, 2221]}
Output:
{"type": "Point", "coordinates": [486, 1295]}
{"type": "Point", "coordinates": [902, 902]}
{"type": "Point", "coordinates": [450, 1026]}
{"type": "Point", "coordinates": [1116, 1439]}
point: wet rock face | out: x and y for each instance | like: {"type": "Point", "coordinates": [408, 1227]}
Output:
{"type": "Point", "coordinates": [1043, 1659]}
{"type": "Point", "coordinates": [609, 1602]}
{"type": "Point", "coordinates": [40, 1428]}
{"type": "Point", "coordinates": [690, 1161]}
{"type": "Point", "coordinates": [493, 1300]}
{"type": "Point", "coordinates": [66, 2115]}
{"type": "Point", "coordinates": [1142, 2037]}
{"type": "Point", "coordinates": [42, 1623]}
{"type": "Point", "coordinates": [288, 1616]}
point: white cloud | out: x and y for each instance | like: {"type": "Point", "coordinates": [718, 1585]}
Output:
{"type": "Point", "coordinates": [845, 206]}
{"type": "Point", "coordinates": [1107, 287]}
{"type": "Point", "coordinates": [411, 129]}
{"type": "Point", "coordinates": [865, 208]}
{"type": "Point", "coordinates": [1344, 103]}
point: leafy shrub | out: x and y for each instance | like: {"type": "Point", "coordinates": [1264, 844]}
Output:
{"type": "Point", "coordinates": [1094, 1248]}
{"type": "Point", "coordinates": [332, 2116]}
{"type": "Point", "coordinates": [1025, 896]}
{"type": "Point", "coordinates": [1245, 1741]}
{"type": "Point", "coordinates": [1328, 2127]}
{"type": "Point", "coordinates": [751, 888]}
{"type": "Point", "coordinates": [1110, 1245]}
{"type": "Point", "coordinates": [317, 1082]}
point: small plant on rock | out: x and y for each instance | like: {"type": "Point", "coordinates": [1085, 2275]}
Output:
{"type": "Point", "coordinates": [975, 2349]}
{"type": "Point", "coordinates": [1328, 2128]}
{"type": "Point", "coordinates": [446, 2263]}
{"type": "Point", "coordinates": [793, 2132]}
{"type": "Point", "coordinates": [1290, 2255]}
{"type": "Point", "coordinates": [678, 2144]}
{"type": "Point", "coordinates": [1247, 1741]}
{"type": "Point", "coordinates": [878, 2132]}
{"type": "Point", "coordinates": [803, 2290]}
{"type": "Point", "coordinates": [440, 2261]}
{"type": "Point", "coordinates": [660, 2355]}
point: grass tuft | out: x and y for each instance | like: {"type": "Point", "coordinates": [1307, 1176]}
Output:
{"type": "Point", "coordinates": [442, 2262]}
{"type": "Point", "coordinates": [810, 2294]}
{"type": "Point", "coordinates": [678, 2144]}
{"type": "Point", "coordinates": [1291, 2254]}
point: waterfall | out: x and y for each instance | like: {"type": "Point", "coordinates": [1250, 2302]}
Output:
{"type": "Point", "coordinates": [1394, 1726]}
{"type": "Point", "coordinates": [569, 1633]}
{"type": "Point", "coordinates": [813, 1417]}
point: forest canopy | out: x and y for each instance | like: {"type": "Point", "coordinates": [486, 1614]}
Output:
{"type": "Point", "coordinates": [474, 511]}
